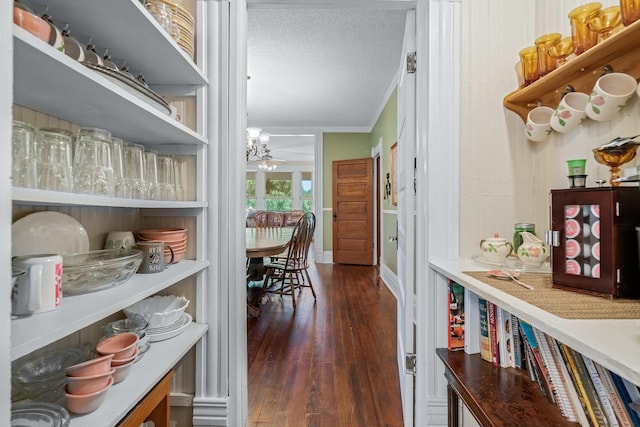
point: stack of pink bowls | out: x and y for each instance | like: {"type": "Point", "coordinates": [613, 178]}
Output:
{"type": "Point", "coordinates": [87, 384]}
{"type": "Point", "coordinates": [176, 238]}
{"type": "Point", "coordinates": [124, 350]}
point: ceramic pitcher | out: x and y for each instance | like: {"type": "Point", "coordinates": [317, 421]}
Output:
{"type": "Point", "coordinates": [532, 252]}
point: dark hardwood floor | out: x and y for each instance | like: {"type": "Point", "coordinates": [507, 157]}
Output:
{"type": "Point", "coordinates": [332, 363]}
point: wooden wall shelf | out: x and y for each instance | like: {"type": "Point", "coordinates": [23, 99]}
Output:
{"type": "Point", "coordinates": [620, 51]}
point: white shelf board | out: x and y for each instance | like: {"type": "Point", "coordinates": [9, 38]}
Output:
{"type": "Point", "coordinates": [614, 343]}
{"type": "Point", "coordinates": [52, 198]}
{"type": "Point", "coordinates": [50, 82]}
{"type": "Point", "coordinates": [79, 311]}
{"type": "Point", "coordinates": [144, 375]}
{"type": "Point", "coordinates": [130, 33]}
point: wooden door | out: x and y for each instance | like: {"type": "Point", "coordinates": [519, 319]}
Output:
{"type": "Point", "coordinates": [353, 211]}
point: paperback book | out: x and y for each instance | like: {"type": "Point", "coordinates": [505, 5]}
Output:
{"type": "Point", "coordinates": [456, 316]}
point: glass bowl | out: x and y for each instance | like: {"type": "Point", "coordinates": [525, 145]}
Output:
{"type": "Point", "coordinates": [96, 270]}
{"type": "Point", "coordinates": [158, 310]}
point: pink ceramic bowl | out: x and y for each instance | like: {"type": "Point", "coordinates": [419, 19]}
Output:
{"type": "Point", "coordinates": [124, 361]}
{"type": "Point", "coordinates": [90, 384]}
{"type": "Point", "coordinates": [122, 371]}
{"type": "Point", "coordinates": [97, 366]}
{"type": "Point", "coordinates": [121, 345]}
{"type": "Point", "coordinates": [164, 233]}
{"type": "Point", "coordinates": [85, 403]}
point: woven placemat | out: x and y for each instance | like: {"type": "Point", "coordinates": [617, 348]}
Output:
{"type": "Point", "coordinates": [567, 304]}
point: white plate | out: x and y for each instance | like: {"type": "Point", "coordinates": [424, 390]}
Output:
{"type": "Point", "coordinates": [172, 327]}
{"type": "Point", "coordinates": [166, 335]}
{"type": "Point", "coordinates": [48, 232]}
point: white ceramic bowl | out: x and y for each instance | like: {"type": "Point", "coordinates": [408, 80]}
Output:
{"type": "Point", "coordinates": [158, 310]}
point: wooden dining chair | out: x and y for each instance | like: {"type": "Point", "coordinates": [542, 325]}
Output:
{"type": "Point", "coordinates": [284, 274]}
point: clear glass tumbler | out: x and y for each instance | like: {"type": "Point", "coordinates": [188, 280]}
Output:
{"type": "Point", "coordinates": [93, 163]}
{"type": "Point", "coordinates": [180, 167]}
{"type": "Point", "coordinates": [166, 177]}
{"type": "Point", "coordinates": [24, 161]}
{"type": "Point", "coordinates": [133, 155]}
{"type": "Point", "coordinates": [117, 146]}
{"type": "Point", "coordinates": [151, 174]}
{"type": "Point", "coordinates": [55, 159]}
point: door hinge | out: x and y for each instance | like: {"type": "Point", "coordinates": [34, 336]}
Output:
{"type": "Point", "coordinates": [410, 364]}
{"type": "Point", "coordinates": [411, 62]}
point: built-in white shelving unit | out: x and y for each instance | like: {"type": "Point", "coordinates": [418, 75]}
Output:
{"type": "Point", "coordinates": [49, 82]}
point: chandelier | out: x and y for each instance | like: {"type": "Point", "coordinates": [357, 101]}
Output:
{"type": "Point", "coordinates": [257, 147]}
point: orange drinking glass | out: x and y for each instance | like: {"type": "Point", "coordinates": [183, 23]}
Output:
{"type": "Point", "coordinates": [584, 37]}
{"type": "Point", "coordinates": [561, 50]}
{"type": "Point", "coordinates": [605, 21]}
{"type": "Point", "coordinates": [546, 63]}
{"type": "Point", "coordinates": [529, 59]}
{"type": "Point", "coordinates": [630, 11]}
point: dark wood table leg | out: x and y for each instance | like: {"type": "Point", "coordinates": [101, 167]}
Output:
{"type": "Point", "coordinates": [452, 406]}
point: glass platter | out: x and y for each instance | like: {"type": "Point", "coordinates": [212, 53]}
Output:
{"type": "Point", "coordinates": [512, 263]}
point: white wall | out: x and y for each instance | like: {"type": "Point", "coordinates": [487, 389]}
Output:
{"type": "Point", "coordinates": [505, 178]}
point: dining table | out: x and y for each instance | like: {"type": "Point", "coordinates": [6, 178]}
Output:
{"type": "Point", "coordinates": [262, 242]}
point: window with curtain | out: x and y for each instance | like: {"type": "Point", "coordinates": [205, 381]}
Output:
{"type": "Point", "coordinates": [278, 195]}
{"type": "Point", "coordinates": [306, 192]}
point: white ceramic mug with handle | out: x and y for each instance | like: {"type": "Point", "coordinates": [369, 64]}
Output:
{"type": "Point", "coordinates": [538, 125]}
{"type": "Point", "coordinates": [570, 112]}
{"type": "Point", "coordinates": [609, 96]}
{"type": "Point", "coordinates": [40, 288]}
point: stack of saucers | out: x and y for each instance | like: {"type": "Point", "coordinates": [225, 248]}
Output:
{"type": "Point", "coordinates": [165, 315]}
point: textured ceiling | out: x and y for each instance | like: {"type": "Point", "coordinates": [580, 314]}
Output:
{"type": "Point", "coordinates": [321, 69]}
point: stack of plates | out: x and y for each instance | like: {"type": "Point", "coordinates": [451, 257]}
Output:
{"type": "Point", "coordinates": [186, 24]}
{"type": "Point", "coordinates": [165, 332]}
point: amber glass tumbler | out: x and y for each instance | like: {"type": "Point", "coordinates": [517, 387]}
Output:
{"type": "Point", "coordinates": [529, 59]}
{"type": "Point", "coordinates": [630, 11]}
{"type": "Point", "coordinates": [583, 36]}
{"type": "Point", "coordinates": [546, 63]}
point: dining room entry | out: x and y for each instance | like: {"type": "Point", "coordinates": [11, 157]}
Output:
{"type": "Point", "coordinates": [353, 211]}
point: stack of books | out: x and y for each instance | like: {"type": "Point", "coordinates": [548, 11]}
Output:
{"type": "Point", "coordinates": [584, 391]}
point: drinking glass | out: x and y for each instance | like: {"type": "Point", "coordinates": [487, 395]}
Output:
{"type": "Point", "coordinates": [24, 161]}
{"type": "Point", "coordinates": [92, 163]}
{"type": "Point", "coordinates": [605, 21]}
{"type": "Point", "coordinates": [166, 177]}
{"type": "Point", "coordinates": [529, 59]}
{"type": "Point", "coordinates": [546, 63]}
{"type": "Point", "coordinates": [151, 174]}
{"type": "Point", "coordinates": [629, 11]}
{"type": "Point", "coordinates": [562, 49]}
{"type": "Point", "coordinates": [133, 155]}
{"type": "Point", "coordinates": [180, 166]}
{"type": "Point", "coordinates": [54, 159]}
{"type": "Point", "coordinates": [584, 37]}
{"type": "Point", "coordinates": [117, 145]}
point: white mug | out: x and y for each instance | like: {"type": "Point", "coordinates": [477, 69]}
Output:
{"type": "Point", "coordinates": [570, 112]}
{"type": "Point", "coordinates": [539, 123]}
{"type": "Point", "coordinates": [40, 288]}
{"type": "Point", "coordinates": [609, 95]}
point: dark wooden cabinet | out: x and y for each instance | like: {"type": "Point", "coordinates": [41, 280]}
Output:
{"type": "Point", "coordinates": [595, 248]}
